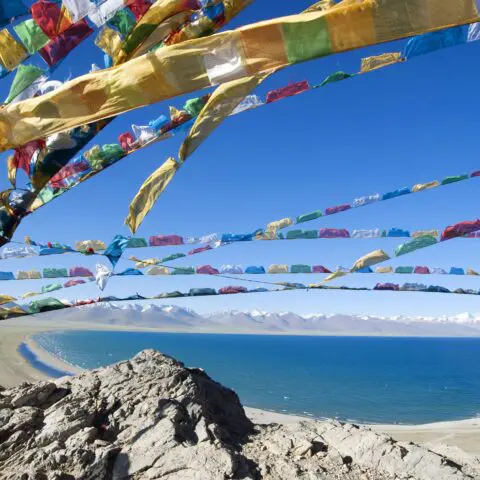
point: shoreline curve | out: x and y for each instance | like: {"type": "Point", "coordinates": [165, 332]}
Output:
{"type": "Point", "coordinates": [461, 435]}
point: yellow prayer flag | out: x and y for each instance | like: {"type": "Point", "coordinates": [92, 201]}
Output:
{"type": "Point", "coordinates": [15, 311]}
{"type": "Point", "coordinates": [279, 224]}
{"type": "Point", "coordinates": [109, 40]}
{"type": "Point", "coordinates": [424, 186]}
{"type": "Point", "coordinates": [219, 106]}
{"type": "Point", "coordinates": [372, 258]}
{"type": "Point", "coordinates": [422, 233]}
{"type": "Point", "coordinates": [6, 299]}
{"type": "Point", "coordinates": [30, 294]}
{"type": "Point", "coordinates": [380, 61]}
{"type": "Point", "coordinates": [148, 262]}
{"type": "Point", "coordinates": [275, 268]}
{"type": "Point", "coordinates": [158, 271]}
{"type": "Point", "coordinates": [384, 270]}
{"type": "Point", "coordinates": [12, 52]}
{"type": "Point", "coordinates": [149, 192]}
{"type": "Point", "coordinates": [334, 275]}
{"type": "Point", "coordinates": [29, 275]}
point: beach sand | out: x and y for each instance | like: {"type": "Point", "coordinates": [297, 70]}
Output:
{"type": "Point", "coordinates": [15, 368]}
{"type": "Point", "coordinates": [454, 437]}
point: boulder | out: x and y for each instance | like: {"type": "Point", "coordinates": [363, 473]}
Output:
{"type": "Point", "coordinates": [152, 418]}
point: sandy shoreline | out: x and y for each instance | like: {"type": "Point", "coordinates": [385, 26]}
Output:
{"type": "Point", "coordinates": [442, 436]}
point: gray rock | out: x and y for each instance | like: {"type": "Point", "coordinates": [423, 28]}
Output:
{"type": "Point", "coordinates": [33, 395]}
{"type": "Point", "coordinates": [152, 418]}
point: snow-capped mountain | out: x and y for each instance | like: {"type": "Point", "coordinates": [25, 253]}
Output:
{"type": "Point", "coordinates": [180, 318]}
{"type": "Point", "coordinates": [132, 314]}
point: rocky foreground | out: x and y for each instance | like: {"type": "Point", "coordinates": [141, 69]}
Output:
{"type": "Point", "coordinates": [152, 418]}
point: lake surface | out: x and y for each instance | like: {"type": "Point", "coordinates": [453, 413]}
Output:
{"type": "Point", "coordinates": [363, 379]}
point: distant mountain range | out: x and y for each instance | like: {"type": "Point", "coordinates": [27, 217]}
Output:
{"type": "Point", "coordinates": [233, 321]}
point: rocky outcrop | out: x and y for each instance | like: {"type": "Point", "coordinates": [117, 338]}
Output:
{"type": "Point", "coordinates": [152, 418]}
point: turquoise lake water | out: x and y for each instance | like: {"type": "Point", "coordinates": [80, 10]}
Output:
{"type": "Point", "coordinates": [372, 380]}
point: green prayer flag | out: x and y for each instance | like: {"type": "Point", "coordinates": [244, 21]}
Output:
{"type": "Point", "coordinates": [307, 217]}
{"type": "Point", "coordinates": [335, 77]}
{"type": "Point", "coordinates": [55, 273]}
{"type": "Point", "coordinates": [137, 243]}
{"type": "Point", "coordinates": [307, 40]}
{"type": "Point", "coordinates": [138, 36]}
{"type": "Point", "coordinates": [26, 75]}
{"type": "Point", "coordinates": [415, 244]}
{"type": "Point", "coordinates": [173, 256]}
{"type": "Point", "coordinates": [453, 179]}
{"type": "Point", "coordinates": [124, 21]}
{"type": "Point", "coordinates": [301, 269]}
{"type": "Point", "coordinates": [45, 305]}
{"type": "Point", "coordinates": [51, 288]}
{"type": "Point", "coordinates": [183, 271]}
{"type": "Point", "coordinates": [194, 106]}
{"type": "Point", "coordinates": [31, 35]}
{"type": "Point", "coordinates": [404, 270]}
{"type": "Point", "coordinates": [46, 195]}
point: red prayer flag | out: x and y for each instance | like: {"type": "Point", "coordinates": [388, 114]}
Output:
{"type": "Point", "coordinates": [460, 229]}
{"type": "Point", "coordinates": [126, 141]}
{"type": "Point", "coordinates": [61, 46]}
{"type": "Point", "coordinates": [52, 19]}
{"type": "Point", "coordinates": [67, 171]}
{"type": "Point", "coordinates": [287, 91]}
{"type": "Point", "coordinates": [23, 155]}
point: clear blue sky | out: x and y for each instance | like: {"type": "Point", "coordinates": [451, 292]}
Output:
{"type": "Point", "coordinates": [414, 122]}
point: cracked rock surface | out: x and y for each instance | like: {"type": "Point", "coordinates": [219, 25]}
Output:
{"type": "Point", "coordinates": [152, 418]}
